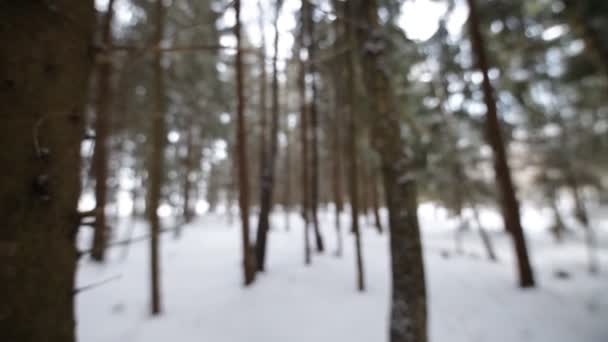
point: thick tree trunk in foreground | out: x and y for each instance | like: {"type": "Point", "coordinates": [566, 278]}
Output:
{"type": "Point", "coordinates": [44, 70]}
{"type": "Point", "coordinates": [408, 321]}
{"type": "Point", "coordinates": [510, 205]}
{"type": "Point", "coordinates": [241, 142]}
{"type": "Point", "coordinates": [102, 133]}
{"type": "Point", "coordinates": [156, 164]}
{"type": "Point", "coordinates": [268, 170]}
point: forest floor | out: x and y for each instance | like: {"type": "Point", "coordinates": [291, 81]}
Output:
{"type": "Point", "coordinates": [470, 298]}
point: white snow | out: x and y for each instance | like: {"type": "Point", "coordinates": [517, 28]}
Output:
{"type": "Point", "coordinates": [470, 299]}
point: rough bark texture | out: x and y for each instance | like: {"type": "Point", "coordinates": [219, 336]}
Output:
{"type": "Point", "coordinates": [408, 304]}
{"type": "Point", "coordinates": [44, 68]}
{"type": "Point", "coordinates": [268, 170]}
{"type": "Point", "coordinates": [241, 142]}
{"type": "Point", "coordinates": [102, 132]}
{"type": "Point", "coordinates": [156, 164]}
{"type": "Point", "coordinates": [510, 205]}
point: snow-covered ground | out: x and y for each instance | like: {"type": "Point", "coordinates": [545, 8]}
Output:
{"type": "Point", "coordinates": [470, 299]}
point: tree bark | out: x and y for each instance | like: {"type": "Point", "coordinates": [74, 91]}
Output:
{"type": "Point", "coordinates": [268, 177]}
{"type": "Point", "coordinates": [352, 152]}
{"type": "Point", "coordinates": [156, 164]}
{"type": "Point", "coordinates": [314, 142]}
{"type": "Point", "coordinates": [241, 141]}
{"type": "Point", "coordinates": [102, 133]}
{"type": "Point", "coordinates": [510, 205]}
{"type": "Point", "coordinates": [408, 305]}
{"type": "Point", "coordinates": [44, 70]}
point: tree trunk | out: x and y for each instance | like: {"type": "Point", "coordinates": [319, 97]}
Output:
{"type": "Point", "coordinates": [510, 205]}
{"type": "Point", "coordinates": [267, 184]}
{"type": "Point", "coordinates": [312, 69]}
{"type": "Point", "coordinates": [580, 212]}
{"type": "Point", "coordinates": [376, 201]}
{"type": "Point", "coordinates": [188, 166]}
{"type": "Point", "coordinates": [241, 141]}
{"type": "Point", "coordinates": [287, 197]}
{"type": "Point", "coordinates": [337, 176]}
{"type": "Point", "coordinates": [44, 70]}
{"type": "Point", "coordinates": [483, 233]}
{"type": "Point", "coordinates": [102, 133]}
{"type": "Point", "coordinates": [157, 163]}
{"type": "Point", "coordinates": [408, 304]}
{"type": "Point", "coordinates": [263, 108]}
{"type": "Point", "coordinates": [352, 152]}
{"type": "Point", "coordinates": [559, 228]}
{"type": "Point", "coordinates": [304, 141]}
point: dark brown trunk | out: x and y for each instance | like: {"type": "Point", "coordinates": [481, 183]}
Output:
{"type": "Point", "coordinates": [268, 178]}
{"type": "Point", "coordinates": [510, 205]}
{"type": "Point", "coordinates": [352, 152]}
{"type": "Point", "coordinates": [45, 64]}
{"type": "Point", "coordinates": [408, 321]}
{"type": "Point", "coordinates": [314, 142]}
{"type": "Point", "coordinates": [102, 133]}
{"type": "Point", "coordinates": [156, 164]}
{"type": "Point", "coordinates": [241, 142]}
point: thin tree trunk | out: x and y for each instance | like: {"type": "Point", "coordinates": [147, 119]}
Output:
{"type": "Point", "coordinates": [559, 228]}
{"type": "Point", "coordinates": [510, 205]}
{"type": "Point", "coordinates": [408, 321]}
{"type": "Point", "coordinates": [44, 70]}
{"type": "Point", "coordinates": [376, 201]}
{"type": "Point", "coordinates": [268, 177]}
{"type": "Point", "coordinates": [337, 177]}
{"type": "Point", "coordinates": [102, 133]}
{"type": "Point", "coordinates": [312, 69]}
{"type": "Point", "coordinates": [483, 233]}
{"type": "Point", "coordinates": [157, 163]}
{"type": "Point", "coordinates": [583, 218]}
{"type": "Point", "coordinates": [287, 198]}
{"type": "Point", "coordinates": [304, 141]}
{"type": "Point", "coordinates": [263, 162]}
{"type": "Point", "coordinates": [352, 152]}
{"type": "Point", "coordinates": [241, 141]}
{"type": "Point", "coordinates": [188, 166]}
